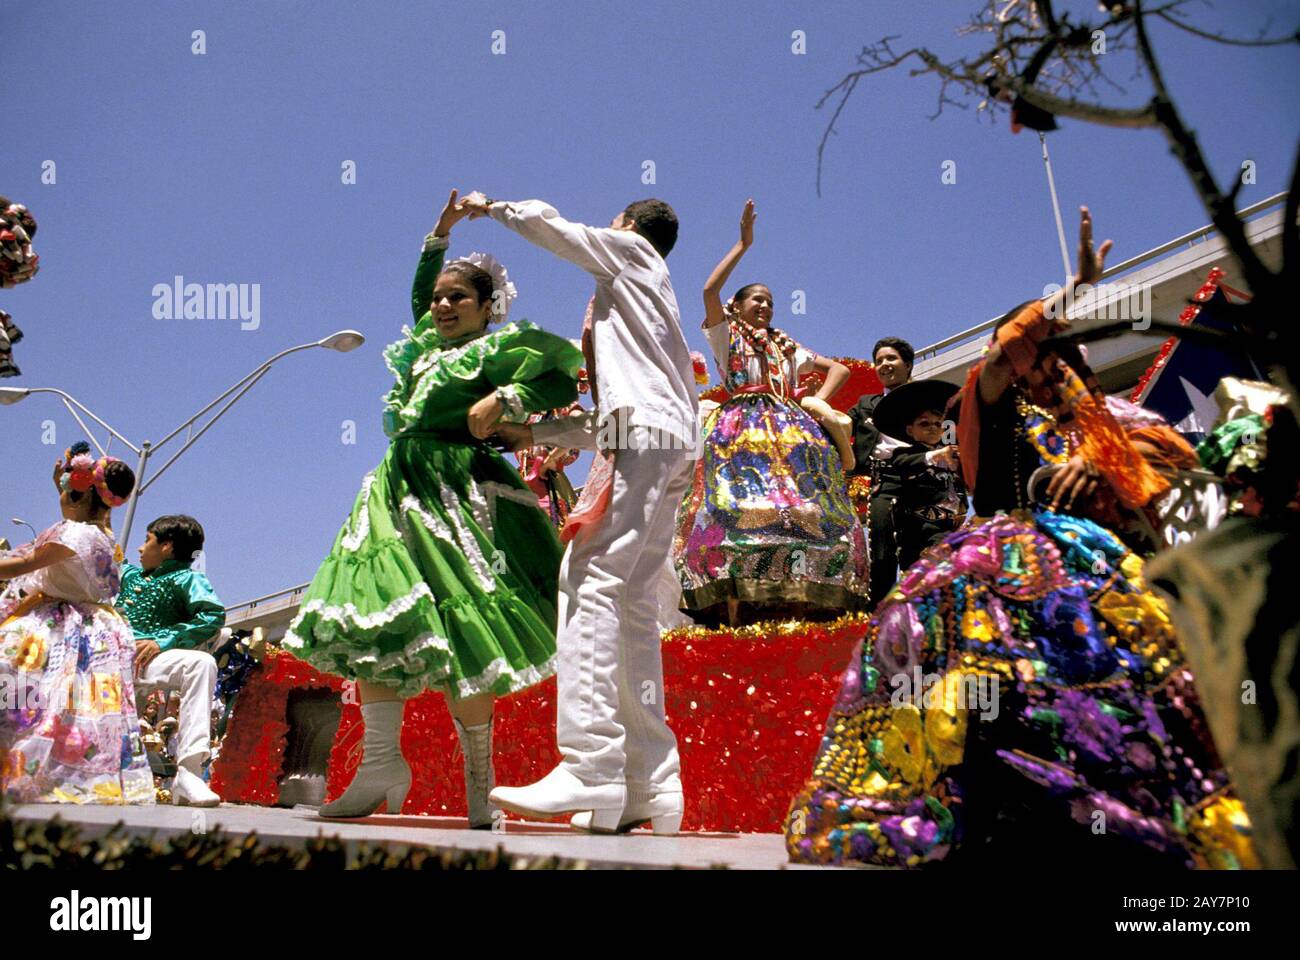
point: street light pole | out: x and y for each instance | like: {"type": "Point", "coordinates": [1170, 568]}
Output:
{"type": "Point", "coordinates": [344, 341]}
{"type": "Point", "coordinates": [135, 492]}
{"type": "Point", "coordinates": [19, 522]}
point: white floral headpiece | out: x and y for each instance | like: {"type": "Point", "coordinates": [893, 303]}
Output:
{"type": "Point", "coordinates": [500, 280]}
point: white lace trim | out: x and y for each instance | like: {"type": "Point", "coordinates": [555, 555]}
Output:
{"type": "Point", "coordinates": [347, 615]}
{"type": "Point", "coordinates": [412, 685]}
{"type": "Point", "coordinates": [393, 350]}
{"type": "Point", "coordinates": [422, 383]}
{"type": "Point", "coordinates": [498, 668]}
{"type": "Point", "coordinates": [434, 524]}
{"type": "Point", "coordinates": [421, 386]}
{"type": "Point", "coordinates": [408, 658]}
{"type": "Point", "coordinates": [484, 515]}
{"type": "Point", "coordinates": [456, 534]}
{"type": "Point", "coordinates": [469, 545]}
{"type": "Point", "coordinates": [353, 540]}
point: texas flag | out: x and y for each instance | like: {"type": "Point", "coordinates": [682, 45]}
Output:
{"type": "Point", "coordinates": [1180, 383]}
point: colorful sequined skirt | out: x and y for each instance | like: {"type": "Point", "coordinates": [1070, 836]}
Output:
{"type": "Point", "coordinates": [1020, 695]}
{"type": "Point", "coordinates": [68, 726]}
{"type": "Point", "coordinates": [444, 577]}
{"type": "Point", "coordinates": [768, 518]}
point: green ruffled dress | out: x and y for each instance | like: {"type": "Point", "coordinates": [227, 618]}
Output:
{"type": "Point", "coordinates": [444, 576]}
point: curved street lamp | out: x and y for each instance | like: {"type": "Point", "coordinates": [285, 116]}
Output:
{"type": "Point", "coordinates": [19, 522]}
{"type": "Point", "coordinates": [343, 341]}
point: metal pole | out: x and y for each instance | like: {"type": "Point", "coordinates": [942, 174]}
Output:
{"type": "Point", "coordinates": [1056, 205]}
{"type": "Point", "coordinates": [243, 386]}
{"type": "Point", "coordinates": [194, 439]}
{"type": "Point", "coordinates": [135, 494]}
{"type": "Point", "coordinates": [254, 377]}
{"type": "Point", "coordinates": [68, 398]}
{"type": "Point", "coordinates": [86, 429]}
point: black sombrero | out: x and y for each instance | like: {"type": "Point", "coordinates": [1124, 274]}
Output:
{"type": "Point", "coordinates": [902, 405]}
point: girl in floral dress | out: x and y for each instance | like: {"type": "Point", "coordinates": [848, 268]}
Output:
{"type": "Point", "coordinates": [444, 576]}
{"type": "Point", "coordinates": [68, 726]}
{"type": "Point", "coordinates": [768, 522]}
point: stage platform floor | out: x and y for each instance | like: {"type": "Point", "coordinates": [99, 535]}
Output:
{"type": "Point", "coordinates": [638, 850]}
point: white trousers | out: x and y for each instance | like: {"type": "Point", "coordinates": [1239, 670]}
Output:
{"type": "Point", "coordinates": [610, 724]}
{"type": "Point", "coordinates": [192, 674]}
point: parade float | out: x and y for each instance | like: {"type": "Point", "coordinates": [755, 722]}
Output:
{"type": "Point", "coordinates": [747, 704]}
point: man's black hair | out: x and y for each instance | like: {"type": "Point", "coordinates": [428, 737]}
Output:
{"type": "Point", "coordinates": [898, 343]}
{"type": "Point", "coordinates": [182, 532]}
{"type": "Point", "coordinates": [655, 221]}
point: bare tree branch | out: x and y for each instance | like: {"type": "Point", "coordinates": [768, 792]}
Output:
{"type": "Point", "coordinates": [1036, 60]}
{"type": "Point", "coordinates": [1133, 118]}
{"type": "Point", "coordinates": [1183, 143]}
{"type": "Point", "coordinates": [1220, 38]}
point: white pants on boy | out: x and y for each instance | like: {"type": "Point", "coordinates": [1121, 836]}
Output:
{"type": "Point", "coordinates": [192, 674]}
{"type": "Point", "coordinates": [610, 724]}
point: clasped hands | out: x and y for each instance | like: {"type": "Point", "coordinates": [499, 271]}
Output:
{"type": "Point", "coordinates": [484, 421]}
{"type": "Point", "coordinates": [457, 208]}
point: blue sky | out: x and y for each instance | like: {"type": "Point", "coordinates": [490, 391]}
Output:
{"type": "Point", "coordinates": [226, 168]}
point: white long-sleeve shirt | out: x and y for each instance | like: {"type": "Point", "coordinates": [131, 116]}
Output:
{"type": "Point", "coordinates": [574, 431]}
{"type": "Point", "coordinates": [643, 365]}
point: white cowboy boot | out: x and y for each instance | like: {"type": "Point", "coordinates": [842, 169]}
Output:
{"type": "Point", "coordinates": [663, 812]}
{"type": "Point", "coordinates": [383, 777]}
{"type": "Point", "coordinates": [560, 792]}
{"type": "Point", "coordinates": [189, 788]}
{"type": "Point", "coordinates": [480, 778]}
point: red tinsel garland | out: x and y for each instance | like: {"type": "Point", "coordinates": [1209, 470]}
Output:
{"type": "Point", "coordinates": [1190, 312]}
{"type": "Point", "coordinates": [748, 707]}
{"type": "Point", "coordinates": [251, 763]}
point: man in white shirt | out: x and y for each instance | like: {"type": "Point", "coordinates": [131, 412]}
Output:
{"type": "Point", "coordinates": [620, 766]}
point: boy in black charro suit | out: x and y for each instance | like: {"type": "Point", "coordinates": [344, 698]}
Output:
{"type": "Point", "coordinates": [931, 502]}
{"type": "Point", "coordinates": [893, 359]}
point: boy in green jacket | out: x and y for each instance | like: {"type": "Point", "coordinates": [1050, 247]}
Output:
{"type": "Point", "coordinates": [173, 610]}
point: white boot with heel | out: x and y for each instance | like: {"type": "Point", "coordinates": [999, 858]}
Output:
{"type": "Point", "coordinates": [383, 777]}
{"type": "Point", "coordinates": [662, 811]}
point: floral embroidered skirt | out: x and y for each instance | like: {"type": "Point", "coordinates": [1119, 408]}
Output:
{"type": "Point", "coordinates": [768, 517]}
{"type": "Point", "coordinates": [443, 578]}
{"type": "Point", "coordinates": [68, 726]}
{"type": "Point", "coordinates": [1021, 695]}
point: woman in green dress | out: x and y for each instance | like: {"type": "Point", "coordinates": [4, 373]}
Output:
{"type": "Point", "coordinates": [444, 576]}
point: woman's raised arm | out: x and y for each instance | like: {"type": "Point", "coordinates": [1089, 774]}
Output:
{"type": "Point", "coordinates": [713, 314]}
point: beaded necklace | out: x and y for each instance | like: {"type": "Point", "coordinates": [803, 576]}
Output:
{"type": "Point", "coordinates": [1038, 426]}
{"type": "Point", "coordinates": [773, 345]}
